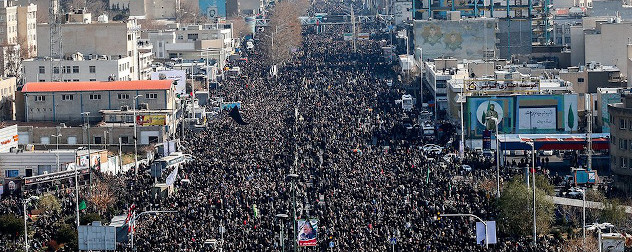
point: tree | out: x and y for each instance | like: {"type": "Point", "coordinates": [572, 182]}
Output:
{"type": "Point", "coordinates": [49, 204]}
{"type": "Point", "coordinates": [102, 195]}
{"type": "Point", "coordinates": [613, 212]}
{"type": "Point", "coordinates": [68, 235]}
{"type": "Point", "coordinates": [89, 218]}
{"type": "Point", "coordinates": [11, 225]}
{"type": "Point", "coordinates": [283, 35]}
{"type": "Point", "coordinates": [240, 28]}
{"type": "Point", "coordinates": [516, 207]}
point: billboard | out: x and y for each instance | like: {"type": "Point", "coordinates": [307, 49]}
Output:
{"type": "Point", "coordinates": [539, 114]}
{"type": "Point", "coordinates": [151, 120]}
{"type": "Point", "coordinates": [461, 39]}
{"type": "Point", "coordinates": [97, 237]}
{"type": "Point", "coordinates": [177, 75]}
{"type": "Point", "coordinates": [607, 98]}
{"type": "Point", "coordinates": [307, 232]}
{"type": "Point", "coordinates": [213, 8]}
{"type": "Point", "coordinates": [480, 110]}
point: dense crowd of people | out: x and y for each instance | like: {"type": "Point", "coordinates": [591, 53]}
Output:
{"type": "Point", "coordinates": [329, 117]}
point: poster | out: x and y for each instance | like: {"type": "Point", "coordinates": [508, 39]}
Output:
{"type": "Point", "coordinates": [151, 120]}
{"type": "Point", "coordinates": [177, 75]}
{"type": "Point", "coordinates": [540, 118]}
{"type": "Point", "coordinates": [307, 232]}
{"type": "Point", "coordinates": [482, 109]}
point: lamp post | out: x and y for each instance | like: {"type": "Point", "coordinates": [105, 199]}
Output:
{"type": "Point", "coordinates": [135, 139]}
{"type": "Point", "coordinates": [583, 214]}
{"type": "Point", "coordinates": [474, 216]}
{"type": "Point", "coordinates": [497, 158]}
{"type": "Point", "coordinates": [57, 154]}
{"type": "Point", "coordinates": [26, 201]}
{"type": "Point", "coordinates": [535, 236]}
{"type": "Point", "coordinates": [282, 217]}
{"type": "Point", "coordinates": [421, 77]}
{"type": "Point", "coordinates": [294, 178]}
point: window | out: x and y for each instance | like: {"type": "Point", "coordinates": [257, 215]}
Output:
{"type": "Point", "coordinates": [56, 70]}
{"type": "Point", "coordinates": [42, 69]}
{"type": "Point", "coordinates": [40, 98]}
{"type": "Point", "coordinates": [93, 79]}
{"type": "Point", "coordinates": [580, 79]}
{"type": "Point", "coordinates": [75, 69]}
{"type": "Point", "coordinates": [151, 96]}
{"type": "Point", "coordinates": [621, 145]}
{"type": "Point", "coordinates": [67, 97]}
{"type": "Point", "coordinates": [123, 96]}
{"type": "Point", "coordinates": [124, 140]}
{"type": "Point", "coordinates": [95, 97]}
{"type": "Point", "coordinates": [93, 69]}
{"type": "Point", "coordinates": [623, 162]}
{"type": "Point", "coordinates": [625, 144]}
{"type": "Point", "coordinates": [65, 69]}
{"type": "Point", "coordinates": [11, 173]}
{"type": "Point", "coordinates": [42, 80]}
{"type": "Point", "coordinates": [622, 124]}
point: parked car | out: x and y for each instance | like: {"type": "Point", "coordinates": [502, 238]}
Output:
{"type": "Point", "coordinates": [466, 168]}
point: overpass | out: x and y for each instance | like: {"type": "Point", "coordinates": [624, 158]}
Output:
{"type": "Point", "coordinates": [579, 203]}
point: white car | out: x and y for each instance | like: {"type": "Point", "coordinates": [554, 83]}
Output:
{"type": "Point", "coordinates": [547, 153]}
{"type": "Point", "coordinates": [466, 168]}
{"type": "Point", "coordinates": [434, 150]}
{"type": "Point", "coordinates": [430, 146]}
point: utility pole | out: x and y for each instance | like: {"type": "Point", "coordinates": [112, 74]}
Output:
{"type": "Point", "coordinates": [589, 136]}
{"type": "Point", "coordinates": [353, 24]}
{"type": "Point", "coordinates": [55, 41]}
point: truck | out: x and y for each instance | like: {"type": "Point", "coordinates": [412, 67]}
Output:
{"type": "Point", "coordinates": [582, 176]}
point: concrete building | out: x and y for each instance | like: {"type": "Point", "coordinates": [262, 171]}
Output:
{"type": "Point", "coordinates": [8, 23]}
{"type": "Point", "coordinates": [40, 162]}
{"type": "Point", "coordinates": [7, 98]}
{"type": "Point", "coordinates": [100, 39]}
{"type": "Point", "coordinates": [27, 30]}
{"type": "Point", "coordinates": [586, 79]}
{"type": "Point", "coordinates": [438, 73]}
{"type": "Point", "coordinates": [67, 101]}
{"type": "Point", "coordinates": [42, 6]}
{"type": "Point", "coordinates": [605, 97]}
{"type": "Point", "coordinates": [80, 68]}
{"type": "Point", "coordinates": [621, 142]}
{"type": "Point", "coordinates": [193, 42]}
{"type": "Point", "coordinates": [150, 9]}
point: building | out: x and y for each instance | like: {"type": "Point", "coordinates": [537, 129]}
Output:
{"type": "Point", "coordinates": [42, 6]}
{"type": "Point", "coordinates": [69, 101]}
{"type": "Point", "coordinates": [193, 42]}
{"type": "Point", "coordinates": [8, 23]}
{"type": "Point", "coordinates": [448, 38]}
{"type": "Point", "coordinates": [40, 162]}
{"type": "Point", "coordinates": [605, 97]}
{"type": "Point", "coordinates": [103, 39]}
{"type": "Point", "coordinates": [213, 8]}
{"type": "Point", "coordinates": [586, 79]}
{"type": "Point", "coordinates": [7, 98]}
{"type": "Point", "coordinates": [150, 9]}
{"type": "Point", "coordinates": [27, 30]}
{"type": "Point", "coordinates": [80, 67]}
{"type": "Point", "coordinates": [621, 142]}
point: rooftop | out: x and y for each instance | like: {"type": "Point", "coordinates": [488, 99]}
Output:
{"type": "Point", "coordinates": [84, 86]}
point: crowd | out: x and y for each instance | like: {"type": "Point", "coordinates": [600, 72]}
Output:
{"type": "Point", "coordinates": [329, 117]}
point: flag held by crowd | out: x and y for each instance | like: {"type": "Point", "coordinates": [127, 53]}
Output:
{"type": "Point", "coordinates": [172, 177]}
{"type": "Point", "coordinates": [234, 113]}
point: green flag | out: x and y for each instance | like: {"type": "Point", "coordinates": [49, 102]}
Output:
{"type": "Point", "coordinates": [82, 205]}
{"type": "Point", "coordinates": [255, 210]}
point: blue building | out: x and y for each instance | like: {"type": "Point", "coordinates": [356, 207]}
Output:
{"type": "Point", "coordinates": [213, 8]}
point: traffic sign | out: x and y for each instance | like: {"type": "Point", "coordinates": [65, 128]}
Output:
{"type": "Point", "coordinates": [393, 240]}
{"type": "Point", "coordinates": [331, 244]}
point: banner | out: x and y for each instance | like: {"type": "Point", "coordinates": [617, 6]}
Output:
{"type": "Point", "coordinates": [178, 76]}
{"type": "Point", "coordinates": [54, 176]}
{"type": "Point", "coordinates": [230, 105]}
{"type": "Point", "coordinates": [172, 177]}
{"type": "Point", "coordinates": [151, 120]}
{"type": "Point", "coordinates": [348, 36]}
{"type": "Point", "coordinates": [363, 36]}
{"type": "Point", "coordinates": [307, 232]}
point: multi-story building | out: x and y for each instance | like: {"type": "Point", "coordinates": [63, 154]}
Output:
{"type": "Point", "coordinates": [193, 42]}
{"type": "Point", "coordinates": [68, 101]}
{"type": "Point", "coordinates": [605, 96]}
{"type": "Point", "coordinates": [8, 23]}
{"type": "Point", "coordinates": [79, 67]}
{"type": "Point", "coordinates": [7, 98]}
{"type": "Point", "coordinates": [621, 142]}
{"type": "Point", "coordinates": [110, 40]}
{"type": "Point", "coordinates": [27, 30]}
{"type": "Point", "coordinates": [150, 9]}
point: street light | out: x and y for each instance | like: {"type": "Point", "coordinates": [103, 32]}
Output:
{"type": "Point", "coordinates": [421, 78]}
{"type": "Point", "coordinates": [497, 157]}
{"type": "Point", "coordinates": [282, 217]}
{"type": "Point", "coordinates": [57, 154]}
{"type": "Point", "coordinates": [135, 140]}
{"type": "Point", "coordinates": [26, 201]}
{"type": "Point", "coordinates": [294, 178]}
{"type": "Point", "coordinates": [474, 216]}
{"type": "Point", "coordinates": [599, 227]}
{"type": "Point", "coordinates": [531, 143]}
{"type": "Point", "coordinates": [583, 213]}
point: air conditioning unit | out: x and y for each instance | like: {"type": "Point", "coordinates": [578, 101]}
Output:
{"type": "Point", "coordinates": [143, 106]}
{"type": "Point", "coordinates": [124, 108]}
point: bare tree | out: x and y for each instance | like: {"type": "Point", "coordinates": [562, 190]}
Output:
{"type": "Point", "coordinates": [283, 34]}
{"type": "Point", "coordinates": [189, 12]}
{"type": "Point", "coordinates": [102, 195]}
{"type": "Point", "coordinates": [240, 28]}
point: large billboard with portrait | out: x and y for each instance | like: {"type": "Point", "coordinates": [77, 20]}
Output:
{"type": "Point", "coordinates": [461, 39]}
{"type": "Point", "coordinates": [308, 232]}
{"type": "Point", "coordinates": [213, 8]}
{"type": "Point", "coordinates": [481, 110]}
{"type": "Point", "coordinates": [521, 114]}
